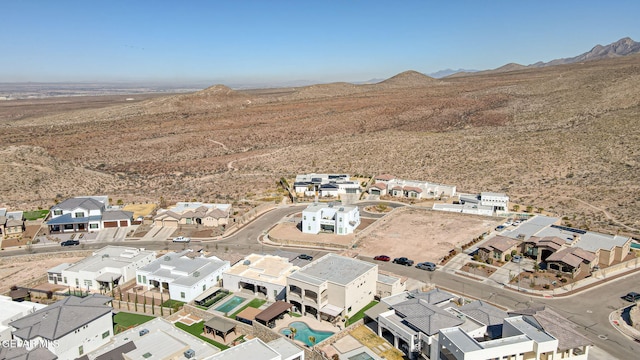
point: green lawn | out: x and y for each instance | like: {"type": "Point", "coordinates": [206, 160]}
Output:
{"type": "Point", "coordinates": [360, 314]}
{"type": "Point", "coordinates": [172, 303]}
{"type": "Point", "coordinates": [35, 215]}
{"type": "Point", "coordinates": [124, 320]}
{"type": "Point", "coordinates": [196, 329]}
{"type": "Point", "coordinates": [255, 303]}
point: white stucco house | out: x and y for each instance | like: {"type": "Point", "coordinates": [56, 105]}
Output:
{"type": "Point", "coordinates": [325, 185]}
{"type": "Point", "coordinates": [279, 349]}
{"type": "Point", "coordinates": [264, 275]}
{"type": "Point", "coordinates": [14, 310]}
{"type": "Point", "coordinates": [105, 268]}
{"type": "Point", "coordinates": [184, 275]}
{"type": "Point", "coordinates": [498, 201]}
{"type": "Point", "coordinates": [337, 219]}
{"type": "Point", "coordinates": [68, 328]}
{"type": "Point", "coordinates": [332, 286]}
{"type": "Point", "coordinates": [86, 213]}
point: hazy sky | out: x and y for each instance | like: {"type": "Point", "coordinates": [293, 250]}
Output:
{"type": "Point", "coordinates": [238, 41]}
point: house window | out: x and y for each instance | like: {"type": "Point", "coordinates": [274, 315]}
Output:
{"type": "Point", "coordinates": [79, 214]}
{"type": "Point", "coordinates": [77, 282]}
{"type": "Point", "coordinates": [57, 212]}
{"type": "Point", "coordinates": [304, 218]}
{"type": "Point", "coordinates": [80, 350]}
{"type": "Point", "coordinates": [93, 226]}
{"type": "Point", "coordinates": [88, 283]}
{"type": "Point", "coordinates": [144, 279]}
{"type": "Point", "coordinates": [349, 309]}
{"type": "Point", "coordinates": [314, 218]}
{"type": "Point", "coordinates": [139, 278]}
{"type": "Point", "coordinates": [309, 227]}
{"type": "Point", "coordinates": [204, 287]}
{"type": "Point", "coordinates": [105, 334]}
{"type": "Point", "coordinates": [182, 295]}
{"type": "Point", "coordinates": [68, 226]}
{"type": "Point", "coordinates": [65, 279]}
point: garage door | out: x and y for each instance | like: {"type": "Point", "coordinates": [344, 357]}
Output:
{"type": "Point", "coordinates": [171, 223]}
{"type": "Point", "coordinates": [110, 224]}
{"type": "Point", "coordinates": [124, 223]}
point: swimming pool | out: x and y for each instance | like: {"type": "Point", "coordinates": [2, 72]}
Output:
{"type": "Point", "coordinates": [303, 331]}
{"type": "Point", "coordinates": [230, 304]}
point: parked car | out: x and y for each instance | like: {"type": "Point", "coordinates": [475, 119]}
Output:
{"type": "Point", "coordinates": [403, 261]}
{"type": "Point", "coordinates": [181, 239]}
{"type": "Point", "coordinates": [500, 227]}
{"type": "Point", "coordinates": [382, 258]}
{"type": "Point", "coordinates": [305, 257]}
{"type": "Point", "coordinates": [632, 297]}
{"type": "Point", "coordinates": [70, 243]}
{"type": "Point", "coordinates": [516, 258]}
{"type": "Point", "coordinates": [429, 266]}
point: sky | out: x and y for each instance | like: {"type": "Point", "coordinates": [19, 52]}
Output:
{"type": "Point", "coordinates": [271, 41]}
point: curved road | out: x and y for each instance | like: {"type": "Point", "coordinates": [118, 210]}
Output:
{"type": "Point", "coordinates": [589, 309]}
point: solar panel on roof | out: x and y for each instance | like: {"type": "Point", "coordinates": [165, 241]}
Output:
{"type": "Point", "coordinates": [578, 231]}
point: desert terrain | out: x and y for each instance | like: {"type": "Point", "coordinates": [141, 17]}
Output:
{"type": "Point", "coordinates": [561, 138]}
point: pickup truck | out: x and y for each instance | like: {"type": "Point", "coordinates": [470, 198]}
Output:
{"type": "Point", "coordinates": [403, 261]}
{"type": "Point", "coordinates": [181, 239]}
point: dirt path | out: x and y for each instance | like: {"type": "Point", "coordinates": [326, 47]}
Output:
{"type": "Point", "coordinates": [219, 143]}
{"type": "Point", "coordinates": [605, 212]}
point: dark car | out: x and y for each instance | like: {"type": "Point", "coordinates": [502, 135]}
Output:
{"type": "Point", "coordinates": [305, 257]}
{"type": "Point", "coordinates": [382, 258]}
{"type": "Point", "coordinates": [429, 266]}
{"type": "Point", "coordinates": [632, 296]}
{"type": "Point", "coordinates": [403, 261]}
{"type": "Point", "coordinates": [70, 243]}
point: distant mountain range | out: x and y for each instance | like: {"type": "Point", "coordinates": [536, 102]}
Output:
{"type": "Point", "coordinates": [447, 72]}
{"type": "Point", "coordinates": [622, 47]}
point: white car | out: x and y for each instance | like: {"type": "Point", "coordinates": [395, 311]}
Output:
{"type": "Point", "coordinates": [182, 239]}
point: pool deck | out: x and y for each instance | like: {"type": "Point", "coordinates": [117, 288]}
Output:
{"type": "Point", "coordinates": [313, 323]}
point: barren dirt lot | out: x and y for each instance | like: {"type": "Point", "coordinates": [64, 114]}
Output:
{"type": "Point", "coordinates": [21, 272]}
{"type": "Point", "coordinates": [421, 234]}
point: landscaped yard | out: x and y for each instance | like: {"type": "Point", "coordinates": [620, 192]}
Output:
{"type": "Point", "coordinates": [124, 320]}
{"type": "Point", "coordinates": [360, 314]}
{"type": "Point", "coordinates": [196, 330]}
{"type": "Point", "coordinates": [174, 304]}
{"type": "Point", "coordinates": [35, 215]}
{"type": "Point", "coordinates": [255, 303]}
{"type": "Point", "coordinates": [478, 269]}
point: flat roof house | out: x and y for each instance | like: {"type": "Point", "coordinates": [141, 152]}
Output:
{"type": "Point", "coordinates": [414, 189]}
{"type": "Point", "coordinates": [279, 349]}
{"type": "Point", "coordinates": [337, 219]}
{"type": "Point", "coordinates": [184, 277]}
{"type": "Point", "coordinates": [14, 310]}
{"type": "Point", "coordinates": [161, 340]}
{"type": "Point", "coordinates": [68, 328]}
{"type": "Point", "coordinates": [332, 286]}
{"type": "Point", "coordinates": [104, 269]}
{"type": "Point", "coordinates": [260, 274]}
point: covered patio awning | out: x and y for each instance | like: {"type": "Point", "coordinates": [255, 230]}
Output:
{"type": "Point", "coordinates": [108, 277]}
{"type": "Point", "coordinates": [248, 315]}
{"type": "Point", "coordinates": [206, 294]}
{"type": "Point", "coordinates": [331, 310]}
{"type": "Point", "coordinates": [219, 326]}
{"type": "Point", "coordinates": [276, 309]}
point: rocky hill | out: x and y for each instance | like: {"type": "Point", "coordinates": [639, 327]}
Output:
{"type": "Point", "coordinates": [562, 138]}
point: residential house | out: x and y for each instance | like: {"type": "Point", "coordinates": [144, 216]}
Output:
{"type": "Point", "coordinates": [332, 286]}
{"type": "Point", "coordinates": [11, 224]}
{"type": "Point", "coordinates": [194, 213]}
{"type": "Point", "coordinates": [87, 213]}
{"type": "Point", "coordinates": [544, 235]}
{"type": "Point", "coordinates": [341, 219]}
{"type": "Point", "coordinates": [183, 277]}
{"type": "Point", "coordinates": [155, 339]}
{"type": "Point", "coordinates": [572, 260]}
{"type": "Point", "coordinates": [499, 201]}
{"type": "Point", "coordinates": [467, 208]}
{"type": "Point", "coordinates": [279, 349]}
{"type": "Point", "coordinates": [264, 275]}
{"type": "Point", "coordinates": [411, 189]}
{"type": "Point", "coordinates": [104, 269]}
{"type": "Point", "coordinates": [68, 328]}
{"type": "Point", "coordinates": [14, 310]}
{"type": "Point", "coordinates": [389, 284]}
{"type": "Point", "coordinates": [498, 247]}
{"type": "Point", "coordinates": [325, 185]}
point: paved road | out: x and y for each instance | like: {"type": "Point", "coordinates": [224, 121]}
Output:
{"type": "Point", "coordinates": [589, 309]}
